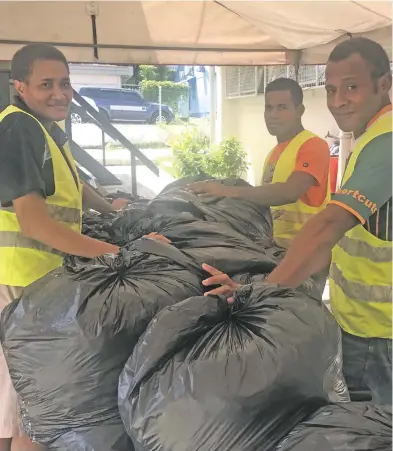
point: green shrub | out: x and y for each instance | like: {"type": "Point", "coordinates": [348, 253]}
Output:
{"type": "Point", "coordinates": [148, 72]}
{"type": "Point", "coordinates": [171, 92]}
{"type": "Point", "coordinates": [228, 159]}
{"type": "Point", "coordinates": [193, 155]}
{"type": "Point", "coordinates": [158, 73]}
{"type": "Point", "coordinates": [191, 150]}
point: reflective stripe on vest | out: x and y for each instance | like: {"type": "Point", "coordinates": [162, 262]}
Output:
{"type": "Point", "coordinates": [291, 216]}
{"type": "Point", "coordinates": [358, 248]}
{"type": "Point", "coordinates": [58, 213]}
{"type": "Point", "coordinates": [22, 259]}
{"type": "Point", "coordinates": [361, 270]}
{"type": "Point", "coordinates": [289, 219]}
{"type": "Point", "coordinates": [16, 239]}
{"type": "Point", "coordinates": [359, 290]}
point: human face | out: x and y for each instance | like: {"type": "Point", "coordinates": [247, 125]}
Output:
{"type": "Point", "coordinates": [353, 96]}
{"type": "Point", "coordinates": [47, 90]}
{"type": "Point", "coordinates": [282, 117]}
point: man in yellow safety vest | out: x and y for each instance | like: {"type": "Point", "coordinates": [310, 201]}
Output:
{"type": "Point", "coordinates": [355, 230]}
{"type": "Point", "coordinates": [295, 180]}
{"type": "Point", "coordinates": [40, 196]}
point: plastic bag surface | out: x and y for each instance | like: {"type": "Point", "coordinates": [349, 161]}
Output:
{"type": "Point", "coordinates": [207, 376]}
{"type": "Point", "coordinates": [252, 220]}
{"type": "Point", "coordinates": [343, 427]}
{"type": "Point", "coordinates": [213, 243]}
{"type": "Point", "coordinates": [248, 219]}
{"type": "Point", "coordinates": [67, 340]}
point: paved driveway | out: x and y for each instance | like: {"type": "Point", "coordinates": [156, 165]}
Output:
{"type": "Point", "coordinates": [89, 135]}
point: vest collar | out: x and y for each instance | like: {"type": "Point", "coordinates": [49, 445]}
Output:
{"type": "Point", "coordinates": [380, 113]}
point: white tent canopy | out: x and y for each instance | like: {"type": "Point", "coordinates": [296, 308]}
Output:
{"type": "Point", "coordinates": [193, 32]}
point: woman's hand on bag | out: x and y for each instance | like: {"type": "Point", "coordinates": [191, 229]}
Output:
{"type": "Point", "coordinates": [228, 286]}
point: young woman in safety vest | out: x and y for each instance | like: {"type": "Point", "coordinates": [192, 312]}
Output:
{"type": "Point", "coordinates": [295, 180]}
{"type": "Point", "coordinates": [355, 230]}
{"type": "Point", "coordinates": [40, 196]}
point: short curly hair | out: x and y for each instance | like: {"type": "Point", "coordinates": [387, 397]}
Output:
{"type": "Point", "coordinates": [24, 58]}
{"type": "Point", "coordinates": [287, 84]}
{"type": "Point", "coordinates": [370, 51]}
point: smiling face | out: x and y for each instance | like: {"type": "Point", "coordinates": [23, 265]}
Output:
{"type": "Point", "coordinates": [282, 116]}
{"type": "Point", "coordinates": [354, 96]}
{"type": "Point", "coordinates": [47, 91]}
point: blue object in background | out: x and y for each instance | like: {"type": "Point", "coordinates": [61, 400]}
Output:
{"type": "Point", "coordinates": [197, 78]}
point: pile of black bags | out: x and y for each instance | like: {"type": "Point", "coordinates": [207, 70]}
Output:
{"type": "Point", "coordinates": [234, 378]}
{"type": "Point", "coordinates": [66, 341]}
{"type": "Point", "coordinates": [250, 220]}
{"type": "Point", "coordinates": [210, 376]}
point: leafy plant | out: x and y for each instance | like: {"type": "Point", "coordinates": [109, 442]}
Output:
{"type": "Point", "coordinates": [191, 150]}
{"type": "Point", "coordinates": [157, 73]}
{"type": "Point", "coordinates": [171, 92]}
{"type": "Point", "coordinates": [193, 155]}
{"type": "Point", "coordinates": [228, 159]}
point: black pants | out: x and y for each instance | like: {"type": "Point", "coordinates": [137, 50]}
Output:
{"type": "Point", "coordinates": [367, 367]}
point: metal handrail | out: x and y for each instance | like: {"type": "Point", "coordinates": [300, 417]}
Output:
{"type": "Point", "coordinates": [103, 123]}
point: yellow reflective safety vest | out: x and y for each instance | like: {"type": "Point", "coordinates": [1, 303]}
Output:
{"type": "Point", "coordinates": [22, 259]}
{"type": "Point", "coordinates": [289, 219]}
{"type": "Point", "coordinates": [361, 268]}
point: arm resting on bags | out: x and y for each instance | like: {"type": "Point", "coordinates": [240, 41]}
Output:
{"type": "Point", "coordinates": [35, 223]}
{"type": "Point", "coordinates": [94, 201]}
{"type": "Point", "coordinates": [311, 250]}
{"type": "Point", "coordinates": [268, 195]}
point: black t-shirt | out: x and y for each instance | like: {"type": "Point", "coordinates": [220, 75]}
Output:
{"type": "Point", "coordinates": [25, 161]}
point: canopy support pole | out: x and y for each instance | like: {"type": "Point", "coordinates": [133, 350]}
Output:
{"type": "Point", "coordinates": [219, 104]}
{"type": "Point", "coordinates": [213, 105]}
{"type": "Point", "coordinates": [345, 150]}
{"type": "Point", "coordinates": [297, 58]}
{"type": "Point", "coordinates": [92, 10]}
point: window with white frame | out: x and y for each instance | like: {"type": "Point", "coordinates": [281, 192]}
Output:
{"type": "Point", "coordinates": [308, 76]}
{"type": "Point", "coordinates": [241, 81]}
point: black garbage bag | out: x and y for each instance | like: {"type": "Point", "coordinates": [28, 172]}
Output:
{"type": "Point", "coordinates": [208, 376]}
{"type": "Point", "coordinates": [343, 427]}
{"type": "Point", "coordinates": [125, 195]}
{"type": "Point", "coordinates": [109, 436]}
{"type": "Point", "coordinates": [125, 222]}
{"type": "Point", "coordinates": [98, 226]}
{"type": "Point", "coordinates": [220, 246]}
{"type": "Point", "coordinates": [209, 242]}
{"type": "Point", "coordinates": [184, 181]}
{"type": "Point", "coordinates": [176, 201]}
{"type": "Point", "coordinates": [67, 340]}
{"type": "Point", "coordinates": [113, 227]}
{"type": "Point", "coordinates": [188, 180]}
{"type": "Point", "coordinates": [247, 218]}
{"type": "Point", "coordinates": [311, 287]}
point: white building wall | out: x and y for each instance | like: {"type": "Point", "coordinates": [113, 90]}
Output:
{"type": "Point", "coordinates": [244, 118]}
{"type": "Point", "coordinates": [100, 80]}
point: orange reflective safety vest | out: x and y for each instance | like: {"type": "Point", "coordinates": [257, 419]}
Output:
{"type": "Point", "coordinates": [22, 259]}
{"type": "Point", "coordinates": [289, 219]}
